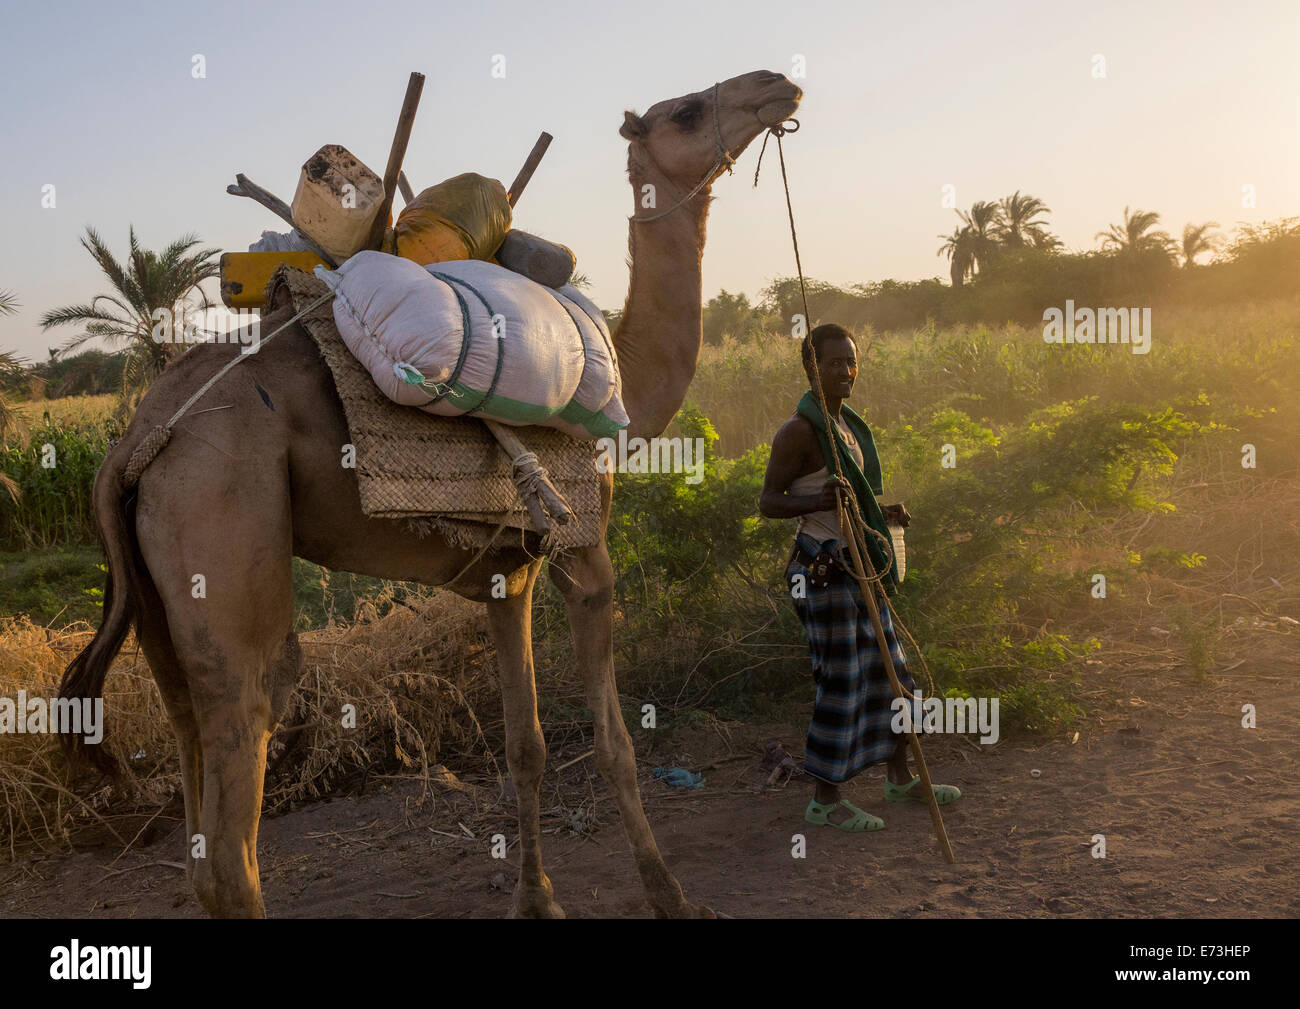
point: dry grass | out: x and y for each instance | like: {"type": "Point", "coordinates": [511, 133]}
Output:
{"type": "Point", "coordinates": [39, 801]}
{"type": "Point", "coordinates": [414, 677]}
{"type": "Point", "coordinates": [1243, 529]}
{"type": "Point", "coordinates": [420, 677]}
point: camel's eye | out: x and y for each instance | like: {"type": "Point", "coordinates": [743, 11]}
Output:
{"type": "Point", "coordinates": [687, 114]}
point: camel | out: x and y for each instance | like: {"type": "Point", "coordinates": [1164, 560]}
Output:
{"type": "Point", "coordinates": [238, 491]}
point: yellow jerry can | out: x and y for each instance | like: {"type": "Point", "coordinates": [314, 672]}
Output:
{"type": "Point", "coordinates": [244, 275]}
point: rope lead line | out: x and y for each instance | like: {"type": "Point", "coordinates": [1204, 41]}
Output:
{"type": "Point", "coordinates": [156, 440]}
{"type": "Point", "coordinates": [862, 569]}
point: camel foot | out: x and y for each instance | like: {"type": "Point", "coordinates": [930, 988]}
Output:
{"type": "Point", "coordinates": [684, 909]}
{"type": "Point", "coordinates": [535, 902]}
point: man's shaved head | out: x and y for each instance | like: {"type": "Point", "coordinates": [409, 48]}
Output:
{"type": "Point", "coordinates": [817, 339]}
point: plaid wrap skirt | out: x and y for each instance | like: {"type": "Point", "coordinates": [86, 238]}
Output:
{"type": "Point", "coordinates": [850, 727]}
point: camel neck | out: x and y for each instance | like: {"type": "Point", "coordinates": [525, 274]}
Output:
{"type": "Point", "coordinates": [659, 336]}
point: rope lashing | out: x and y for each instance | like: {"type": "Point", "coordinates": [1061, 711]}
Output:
{"type": "Point", "coordinates": [529, 476]}
{"type": "Point", "coordinates": [156, 440]}
{"type": "Point", "coordinates": [527, 473]}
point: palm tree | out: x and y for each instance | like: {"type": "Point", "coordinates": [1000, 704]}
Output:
{"type": "Point", "coordinates": [983, 220]}
{"type": "Point", "coordinates": [1135, 236]}
{"type": "Point", "coordinates": [1045, 241]}
{"type": "Point", "coordinates": [1197, 238]}
{"type": "Point", "coordinates": [961, 256]}
{"type": "Point", "coordinates": [1017, 227]}
{"type": "Point", "coordinates": [147, 282]}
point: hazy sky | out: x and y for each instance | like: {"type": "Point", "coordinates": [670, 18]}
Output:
{"type": "Point", "coordinates": [1199, 99]}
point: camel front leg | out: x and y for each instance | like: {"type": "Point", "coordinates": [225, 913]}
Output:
{"type": "Point", "coordinates": [510, 621]}
{"type": "Point", "coordinates": [586, 579]}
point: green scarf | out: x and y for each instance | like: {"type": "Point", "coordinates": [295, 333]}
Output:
{"type": "Point", "coordinates": [864, 479]}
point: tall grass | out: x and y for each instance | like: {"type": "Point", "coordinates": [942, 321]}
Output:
{"type": "Point", "coordinates": [53, 467]}
{"type": "Point", "coordinates": [1071, 462]}
{"type": "Point", "coordinates": [76, 409]}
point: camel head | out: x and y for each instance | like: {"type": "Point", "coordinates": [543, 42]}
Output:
{"type": "Point", "coordinates": [681, 145]}
{"type": "Point", "coordinates": [684, 137]}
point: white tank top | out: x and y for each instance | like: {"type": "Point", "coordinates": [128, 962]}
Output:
{"type": "Point", "coordinates": [823, 525]}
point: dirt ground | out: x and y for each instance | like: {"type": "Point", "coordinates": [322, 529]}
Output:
{"type": "Point", "coordinates": [1200, 818]}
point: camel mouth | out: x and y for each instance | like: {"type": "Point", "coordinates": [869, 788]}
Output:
{"type": "Point", "coordinates": [775, 113]}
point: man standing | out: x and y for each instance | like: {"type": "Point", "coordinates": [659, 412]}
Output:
{"type": "Point", "coordinates": [851, 722]}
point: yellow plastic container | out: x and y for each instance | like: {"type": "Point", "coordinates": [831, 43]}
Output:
{"type": "Point", "coordinates": [244, 275]}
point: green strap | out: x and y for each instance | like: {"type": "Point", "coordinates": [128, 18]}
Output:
{"type": "Point", "coordinates": [865, 479]}
{"type": "Point", "coordinates": [501, 344]}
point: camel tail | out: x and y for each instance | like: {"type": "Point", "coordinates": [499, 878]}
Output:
{"type": "Point", "coordinates": [114, 508]}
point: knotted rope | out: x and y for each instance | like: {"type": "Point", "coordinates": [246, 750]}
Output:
{"type": "Point", "coordinates": [527, 473]}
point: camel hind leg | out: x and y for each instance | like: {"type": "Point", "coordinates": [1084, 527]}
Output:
{"type": "Point", "coordinates": [226, 588]}
{"type": "Point", "coordinates": [155, 642]}
{"type": "Point", "coordinates": [168, 674]}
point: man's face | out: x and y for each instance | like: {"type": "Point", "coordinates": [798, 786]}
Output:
{"type": "Point", "coordinates": [838, 362]}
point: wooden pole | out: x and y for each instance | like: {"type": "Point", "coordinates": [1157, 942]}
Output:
{"type": "Point", "coordinates": [865, 574]}
{"type": "Point", "coordinates": [545, 498]}
{"type": "Point", "coordinates": [530, 165]}
{"type": "Point", "coordinates": [404, 185]}
{"type": "Point", "coordinates": [401, 137]}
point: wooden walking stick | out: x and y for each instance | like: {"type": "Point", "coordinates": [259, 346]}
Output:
{"type": "Point", "coordinates": [863, 571]}
{"type": "Point", "coordinates": [866, 577]}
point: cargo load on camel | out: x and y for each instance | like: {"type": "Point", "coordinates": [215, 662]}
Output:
{"type": "Point", "coordinates": [450, 309]}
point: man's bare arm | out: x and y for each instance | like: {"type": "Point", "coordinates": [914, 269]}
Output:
{"type": "Point", "coordinates": [789, 461]}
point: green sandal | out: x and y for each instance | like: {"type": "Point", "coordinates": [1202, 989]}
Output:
{"type": "Point", "coordinates": [859, 823]}
{"type": "Point", "coordinates": [944, 794]}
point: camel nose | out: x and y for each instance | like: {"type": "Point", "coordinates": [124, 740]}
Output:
{"type": "Point", "coordinates": [769, 77]}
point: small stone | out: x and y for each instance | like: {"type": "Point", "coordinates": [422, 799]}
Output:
{"type": "Point", "coordinates": [1035, 773]}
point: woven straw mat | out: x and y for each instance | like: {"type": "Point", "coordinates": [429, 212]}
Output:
{"type": "Point", "coordinates": [443, 473]}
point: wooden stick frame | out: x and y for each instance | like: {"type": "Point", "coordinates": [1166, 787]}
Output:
{"type": "Point", "coordinates": [401, 137]}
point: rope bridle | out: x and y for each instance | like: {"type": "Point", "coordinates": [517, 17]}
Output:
{"type": "Point", "coordinates": [723, 160]}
